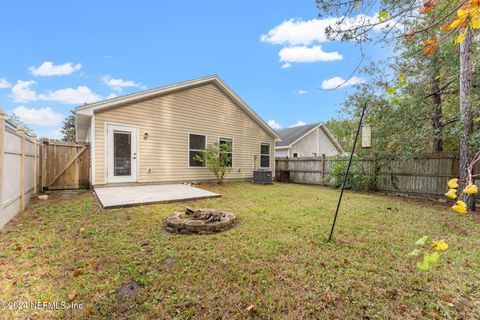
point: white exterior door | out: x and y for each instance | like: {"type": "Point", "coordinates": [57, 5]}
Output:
{"type": "Point", "coordinates": [121, 153]}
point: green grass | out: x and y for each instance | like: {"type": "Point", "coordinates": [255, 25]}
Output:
{"type": "Point", "coordinates": [276, 258]}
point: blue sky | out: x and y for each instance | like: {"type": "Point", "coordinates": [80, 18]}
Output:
{"type": "Point", "coordinates": [57, 54]}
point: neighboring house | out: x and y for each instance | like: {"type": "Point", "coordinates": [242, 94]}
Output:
{"type": "Point", "coordinates": [153, 136]}
{"type": "Point", "coordinates": [311, 140]}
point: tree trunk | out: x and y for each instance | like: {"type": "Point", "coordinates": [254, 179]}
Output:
{"type": "Point", "coordinates": [466, 117]}
{"type": "Point", "coordinates": [437, 107]}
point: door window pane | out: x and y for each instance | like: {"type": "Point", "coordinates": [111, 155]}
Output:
{"type": "Point", "coordinates": [122, 154]}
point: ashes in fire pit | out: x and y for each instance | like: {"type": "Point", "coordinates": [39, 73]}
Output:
{"type": "Point", "coordinates": [200, 221]}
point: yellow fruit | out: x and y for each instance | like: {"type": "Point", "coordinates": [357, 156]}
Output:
{"type": "Point", "coordinates": [460, 207]}
{"type": "Point", "coordinates": [452, 193]}
{"type": "Point", "coordinates": [453, 183]}
{"type": "Point", "coordinates": [439, 245]}
{"type": "Point", "coordinates": [470, 189]}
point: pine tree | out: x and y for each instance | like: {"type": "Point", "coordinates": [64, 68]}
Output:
{"type": "Point", "coordinates": [69, 130]}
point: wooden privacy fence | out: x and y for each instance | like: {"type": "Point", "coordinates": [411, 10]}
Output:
{"type": "Point", "coordinates": [19, 169]}
{"type": "Point", "coordinates": [65, 165]}
{"type": "Point", "coordinates": [423, 176]}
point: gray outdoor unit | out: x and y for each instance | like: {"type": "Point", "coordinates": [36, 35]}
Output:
{"type": "Point", "coordinates": [262, 176]}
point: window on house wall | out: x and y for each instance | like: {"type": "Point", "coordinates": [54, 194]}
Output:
{"type": "Point", "coordinates": [265, 155]}
{"type": "Point", "coordinates": [295, 155]}
{"type": "Point", "coordinates": [226, 150]}
{"type": "Point", "coordinates": [196, 147]}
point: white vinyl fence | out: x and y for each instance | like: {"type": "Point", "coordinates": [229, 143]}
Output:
{"type": "Point", "coordinates": [19, 169]}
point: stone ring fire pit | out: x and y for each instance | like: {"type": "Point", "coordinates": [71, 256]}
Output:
{"type": "Point", "coordinates": [199, 221]}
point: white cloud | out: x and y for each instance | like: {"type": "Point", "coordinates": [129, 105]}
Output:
{"type": "Point", "coordinates": [42, 116]}
{"type": "Point", "coordinates": [274, 124]}
{"type": "Point", "coordinates": [297, 124]}
{"type": "Point", "coordinates": [79, 95]}
{"type": "Point", "coordinates": [47, 69]}
{"type": "Point", "coordinates": [301, 91]}
{"type": "Point", "coordinates": [338, 82]}
{"type": "Point", "coordinates": [4, 83]}
{"type": "Point", "coordinates": [307, 54]}
{"type": "Point", "coordinates": [300, 38]}
{"type": "Point", "coordinates": [296, 32]}
{"type": "Point", "coordinates": [21, 91]}
{"type": "Point", "coordinates": [119, 84]}
{"type": "Point", "coordinates": [306, 32]}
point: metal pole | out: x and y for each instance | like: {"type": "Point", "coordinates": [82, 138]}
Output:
{"type": "Point", "coordinates": [346, 173]}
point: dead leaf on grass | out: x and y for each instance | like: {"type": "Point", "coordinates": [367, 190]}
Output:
{"type": "Point", "coordinates": [446, 298]}
{"type": "Point", "coordinates": [18, 248]}
{"type": "Point", "coordinates": [327, 297]}
{"type": "Point", "coordinates": [88, 311]}
{"type": "Point", "coordinates": [251, 308]}
{"type": "Point", "coordinates": [14, 283]}
{"type": "Point", "coordinates": [77, 272]}
{"type": "Point", "coordinates": [72, 296]}
{"type": "Point", "coordinates": [436, 315]}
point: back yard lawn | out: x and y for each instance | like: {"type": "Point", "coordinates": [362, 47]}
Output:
{"type": "Point", "coordinates": [121, 264]}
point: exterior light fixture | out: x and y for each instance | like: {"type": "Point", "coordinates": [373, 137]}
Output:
{"type": "Point", "coordinates": [146, 135]}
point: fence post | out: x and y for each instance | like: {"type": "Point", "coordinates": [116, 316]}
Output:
{"type": "Point", "coordinates": [21, 132]}
{"type": "Point", "coordinates": [2, 140]}
{"type": "Point", "coordinates": [323, 169]}
{"type": "Point", "coordinates": [35, 178]}
{"type": "Point", "coordinates": [43, 150]}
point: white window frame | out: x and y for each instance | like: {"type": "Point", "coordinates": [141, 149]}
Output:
{"type": "Point", "coordinates": [231, 139]}
{"type": "Point", "coordinates": [264, 154]}
{"type": "Point", "coordinates": [188, 150]}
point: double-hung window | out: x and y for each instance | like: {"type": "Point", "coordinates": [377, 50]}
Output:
{"type": "Point", "coordinates": [265, 155]}
{"type": "Point", "coordinates": [226, 151]}
{"type": "Point", "coordinates": [196, 148]}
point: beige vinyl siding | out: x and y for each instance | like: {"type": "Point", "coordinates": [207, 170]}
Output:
{"type": "Point", "coordinates": [169, 119]}
{"type": "Point", "coordinates": [316, 142]}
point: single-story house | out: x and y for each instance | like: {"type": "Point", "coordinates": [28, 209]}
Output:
{"type": "Point", "coordinates": [310, 140]}
{"type": "Point", "coordinates": [154, 136]}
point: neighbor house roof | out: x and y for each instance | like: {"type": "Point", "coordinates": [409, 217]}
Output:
{"type": "Point", "coordinates": [90, 109]}
{"type": "Point", "coordinates": [290, 136]}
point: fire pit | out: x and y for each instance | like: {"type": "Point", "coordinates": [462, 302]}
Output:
{"type": "Point", "coordinates": [199, 221]}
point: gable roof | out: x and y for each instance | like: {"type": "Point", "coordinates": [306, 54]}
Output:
{"type": "Point", "coordinates": [90, 109]}
{"type": "Point", "coordinates": [292, 135]}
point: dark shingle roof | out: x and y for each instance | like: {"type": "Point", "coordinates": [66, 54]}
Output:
{"type": "Point", "coordinates": [290, 135]}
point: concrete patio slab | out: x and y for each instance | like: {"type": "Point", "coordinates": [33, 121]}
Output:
{"type": "Point", "coordinates": [117, 197]}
